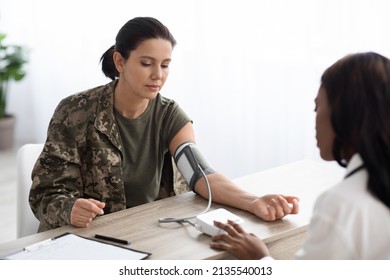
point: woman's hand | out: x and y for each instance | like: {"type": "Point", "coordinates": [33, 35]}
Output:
{"type": "Point", "coordinates": [85, 210]}
{"type": "Point", "coordinates": [242, 245]}
{"type": "Point", "coordinates": [274, 206]}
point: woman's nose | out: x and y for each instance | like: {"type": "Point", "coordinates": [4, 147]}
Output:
{"type": "Point", "coordinates": [157, 73]}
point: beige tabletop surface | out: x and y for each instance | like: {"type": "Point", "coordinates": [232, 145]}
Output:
{"type": "Point", "coordinates": [306, 179]}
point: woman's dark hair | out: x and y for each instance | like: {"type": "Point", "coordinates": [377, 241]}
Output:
{"type": "Point", "coordinates": [358, 91]}
{"type": "Point", "coordinates": [133, 33]}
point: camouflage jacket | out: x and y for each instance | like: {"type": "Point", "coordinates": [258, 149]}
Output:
{"type": "Point", "coordinates": [82, 158]}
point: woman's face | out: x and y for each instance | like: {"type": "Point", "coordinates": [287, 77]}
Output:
{"type": "Point", "coordinates": [144, 73]}
{"type": "Point", "coordinates": [324, 131]}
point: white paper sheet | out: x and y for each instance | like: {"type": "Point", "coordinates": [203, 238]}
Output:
{"type": "Point", "coordinates": [74, 247]}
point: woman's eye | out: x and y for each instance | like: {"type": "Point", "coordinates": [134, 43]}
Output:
{"type": "Point", "coordinates": [145, 64]}
{"type": "Point", "coordinates": [164, 66]}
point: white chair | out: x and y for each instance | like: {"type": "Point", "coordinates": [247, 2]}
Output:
{"type": "Point", "coordinates": [26, 223]}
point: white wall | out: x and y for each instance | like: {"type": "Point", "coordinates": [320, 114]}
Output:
{"type": "Point", "coordinates": [246, 71]}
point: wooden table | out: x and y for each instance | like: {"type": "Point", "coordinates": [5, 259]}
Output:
{"type": "Point", "coordinates": [305, 179]}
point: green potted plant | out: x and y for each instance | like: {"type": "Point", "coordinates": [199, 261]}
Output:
{"type": "Point", "coordinates": [12, 60]}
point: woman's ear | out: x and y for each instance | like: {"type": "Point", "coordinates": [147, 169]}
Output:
{"type": "Point", "coordinates": [118, 61]}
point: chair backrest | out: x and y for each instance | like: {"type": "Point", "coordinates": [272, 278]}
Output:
{"type": "Point", "coordinates": [26, 222]}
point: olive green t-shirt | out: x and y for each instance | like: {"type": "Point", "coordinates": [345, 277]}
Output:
{"type": "Point", "coordinates": [145, 141]}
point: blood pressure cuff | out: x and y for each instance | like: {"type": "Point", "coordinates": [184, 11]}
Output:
{"type": "Point", "coordinates": [190, 162]}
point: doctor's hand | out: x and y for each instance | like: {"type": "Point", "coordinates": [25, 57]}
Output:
{"type": "Point", "coordinates": [274, 206]}
{"type": "Point", "coordinates": [242, 245]}
{"type": "Point", "coordinates": [85, 210]}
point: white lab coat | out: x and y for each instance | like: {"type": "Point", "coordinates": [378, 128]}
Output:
{"type": "Point", "coordinates": [348, 222]}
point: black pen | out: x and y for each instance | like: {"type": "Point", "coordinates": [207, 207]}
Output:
{"type": "Point", "coordinates": [113, 239]}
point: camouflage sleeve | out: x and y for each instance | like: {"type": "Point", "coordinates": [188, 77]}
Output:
{"type": "Point", "coordinates": [56, 176]}
{"type": "Point", "coordinates": [179, 183]}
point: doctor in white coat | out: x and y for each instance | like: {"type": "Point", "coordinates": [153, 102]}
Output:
{"type": "Point", "coordinates": [352, 219]}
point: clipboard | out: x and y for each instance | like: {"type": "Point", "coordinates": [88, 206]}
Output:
{"type": "Point", "coordinates": [69, 246]}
